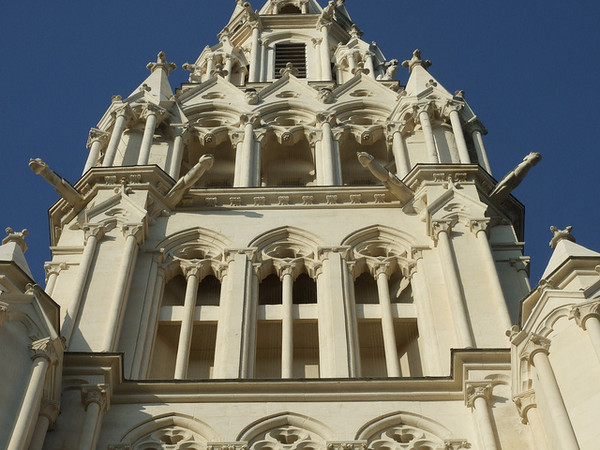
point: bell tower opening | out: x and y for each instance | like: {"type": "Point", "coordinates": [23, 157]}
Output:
{"type": "Point", "coordinates": [290, 9]}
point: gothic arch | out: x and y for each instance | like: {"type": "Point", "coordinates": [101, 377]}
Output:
{"type": "Point", "coordinates": [191, 428]}
{"type": "Point", "coordinates": [274, 113]}
{"type": "Point", "coordinates": [399, 242]}
{"type": "Point", "coordinates": [287, 235]}
{"type": "Point", "coordinates": [214, 243]}
{"type": "Point", "coordinates": [405, 428]}
{"type": "Point", "coordinates": [256, 431]}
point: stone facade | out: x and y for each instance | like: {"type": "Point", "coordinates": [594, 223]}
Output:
{"type": "Point", "coordinates": [295, 250]}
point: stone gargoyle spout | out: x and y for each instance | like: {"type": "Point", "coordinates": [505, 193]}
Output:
{"type": "Point", "coordinates": [62, 186]}
{"type": "Point", "coordinates": [400, 190]}
{"type": "Point", "coordinates": [515, 177]}
{"type": "Point", "coordinates": [186, 182]}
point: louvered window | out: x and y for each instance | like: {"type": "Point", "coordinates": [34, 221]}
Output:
{"type": "Point", "coordinates": [294, 53]}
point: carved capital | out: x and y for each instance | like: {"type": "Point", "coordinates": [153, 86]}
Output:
{"type": "Point", "coordinates": [292, 268]}
{"type": "Point", "coordinates": [3, 313]}
{"type": "Point", "coordinates": [479, 226]}
{"type": "Point", "coordinates": [122, 110]}
{"type": "Point", "coordinates": [95, 393]}
{"type": "Point", "coordinates": [477, 389]}
{"type": "Point", "coordinates": [326, 117]}
{"type": "Point", "coordinates": [525, 401]}
{"type": "Point", "coordinates": [54, 268]}
{"type": "Point", "coordinates": [250, 119]}
{"type": "Point", "coordinates": [44, 348]}
{"type": "Point", "coordinates": [151, 109]}
{"type": "Point", "coordinates": [133, 230]}
{"type": "Point", "coordinates": [581, 313]}
{"type": "Point", "coordinates": [50, 410]}
{"type": "Point", "coordinates": [92, 230]}
{"type": "Point", "coordinates": [535, 344]}
{"type": "Point", "coordinates": [440, 226]}
{"type": "Point", "coordinates": [97, 136]}
{"type": "Point", "coordinates": [191, 269]}
{"type": "Point", "coordinates": [251, 253]}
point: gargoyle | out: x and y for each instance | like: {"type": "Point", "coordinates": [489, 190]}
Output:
{"type": "Point", "coordinates": [62, 186]}
{"type": "Point", "coordinates": [401, 191]}
{"type": "Point", "coordinates": [515, 177]}
{"type": "Point", "coordinates": [186, 182]}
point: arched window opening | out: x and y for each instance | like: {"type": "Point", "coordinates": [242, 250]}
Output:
{"type": "Point", "coordinates": [222, 171]}
{"type": "Point", "coordinates": [400, 289]}
{"type": "Point", "coordinates": [365, 290]}
{"type": "Point", "coordinates": [174, 293]}
{"type": "Point", "coordinates": [209, 292]}
{"type": "Point", "coordinates": [290, 9]}
{"type": "Point", "coordinates": [270, 291]}
{"type": "Point", "coordinates": [287, 165]}
{"type": "Point", "coordinates": [353, 173]}
{"type": "Point", "coordinates": [305, 290]}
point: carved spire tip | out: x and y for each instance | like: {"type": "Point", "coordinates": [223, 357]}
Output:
{"type": "Point", "coordinates": [560, 235]}
{"type": "Point", "coordinates": [17, 237]}
{"type": "Point", "coordinates": [416, 61]}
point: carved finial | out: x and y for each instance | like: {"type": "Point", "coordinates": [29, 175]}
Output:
{"type": "Point", "coordinates": [355, 32]}
{"type": "Point", "coordinates": [416, 61]}
{"type": "Point", "coordinates": [559, 235]}
{"type": "Point", "coordinates": [161, 63]}
{"type": "Point", "coordinates": [289, 68]}
{"type": "Point", "coordinates": [15, 236]}
{"type": "Point", "coordinates": [460, 94]}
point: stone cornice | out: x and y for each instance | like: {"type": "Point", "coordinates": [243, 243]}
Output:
{"type": "Point", "coordinates": [109, 367]}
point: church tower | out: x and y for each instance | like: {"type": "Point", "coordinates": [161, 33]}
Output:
{"type": "Point", "coordinates": [296, 250]}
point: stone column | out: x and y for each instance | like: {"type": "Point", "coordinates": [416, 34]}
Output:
{"type": "Point", "coordinates": [459, 135]}
{"type": "Point", "coordinates": [441, 233]}
{"type": "Point", "coordinates": [587, 317]}
{"type": "Point", "coordinates": [477, 130]}
{"type": "Point", "coordinates": [369, 64]}
{"type": "Point", "coordinates": [337, 351]}
{"type": "Point", "coordinates": [192, 275]}
{"type": "Point", "coordinates": [247, 165]}
{"type": "Point", "coordinates": [536, 353]}
{"type": "Point", "coordinates": [328, 152]}
{"type": "Point", "coordinates": [150, 113]}
{"type": "Point", "coordinates": [92, 235]}
{"type": "Point", "coordinates": [399, 149]}
{"type": "Point", "coordinates": [181, 139]}
{"type": "Point", "coordinates": [325, 57]}
{"type": "Point", "coordinates": [121, 114]}
{"type": "Point", "coordinates": [479, 227]}
{"type": "Point", "coordinates": [236, 297]}
{"type": "Point", "coordinates": [46, 419]}
{"type": "Point", "coordinates": [422, 113]}
{"type": "Point", "coordinates": [228, 67]}
{"type": "Point", "coordinates": [43, 356]}
{"type": "Point", "coordinates": [52, 271]}
{"type": "Point", "coordinates": [96, 140]}
{"type": "Point", "coordinates": [287, 273]}
{"type": "Point", "coordinates": [530, 415]}
{"type": "Point", "coordinates": [381, 271]}
{"type": "Point", "coordinates": [96, 401]}
{"type": "Point", "coordinates": [430, 350]}
{"type": "Point", "coordinates": [477, 397]}
{"type": "Point", "coordinates": [255, 54]}
{"type": "Point", "coordinates": [117, 305]}
{"type": "Point", "coordinates": [316, 42]}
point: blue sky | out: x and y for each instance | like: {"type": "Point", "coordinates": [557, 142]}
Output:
{"type": "Point", "coordinates": [530, 70]}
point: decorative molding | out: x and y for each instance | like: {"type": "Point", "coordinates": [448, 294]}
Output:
{"type": "Point", "coordinates": [226, 446]}
{"type": "Point", "coordinates": [456, 444]}
{"type": "Point", "coordinates": [525, 401]}
{"type": "Point", "coordinates": [96, 393]}
{"type": "Point", "coordinates": [346, 445]}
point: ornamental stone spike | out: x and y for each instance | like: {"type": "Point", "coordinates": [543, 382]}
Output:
{"type": "Point", "coordinates": [161, 63]}
{"type": "Point", "coordinates": [416, 61]}
{"type": "Point", "coordinates": [17, 237]}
